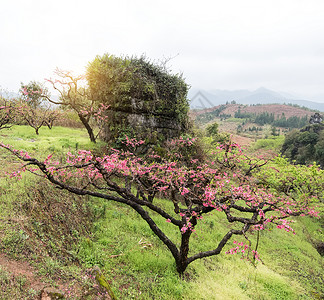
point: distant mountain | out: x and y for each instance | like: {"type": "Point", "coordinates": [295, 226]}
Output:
{"type": "Point", "coordinates": [262, 96]}
{"type": "Point", "coordinates": [201, 99]}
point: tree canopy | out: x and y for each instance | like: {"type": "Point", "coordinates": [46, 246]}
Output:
{"type": "Point", "coordinates": [305, 146]}
{"type": "Point", "coordinates": [33, 93]}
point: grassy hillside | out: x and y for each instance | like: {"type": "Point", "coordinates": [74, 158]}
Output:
{"type": "Point", "coordinates": [254, 121]}
{"type": "Point", "coordinates": [276, 109]}
{"type": "Point", "coordinates": [56, 239]}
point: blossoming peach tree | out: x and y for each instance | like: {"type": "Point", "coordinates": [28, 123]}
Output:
{"type": "Point", "coordinates": [228, 183]}
{"type": "Point", "coordinates": [35, 105]}
{"type": "Point", "coordinates": [74, 94]}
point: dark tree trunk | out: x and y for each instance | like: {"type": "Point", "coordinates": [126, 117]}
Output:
{"type": "Point", "coordinates": [88, 127]}
{"type": "Point", "coordinates": [182, 261]}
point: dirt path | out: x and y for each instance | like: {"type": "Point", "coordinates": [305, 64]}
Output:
{"type": "Point", "coordinates": [43, 290]}
{"type": "Point", "coordinates": [21, 268]}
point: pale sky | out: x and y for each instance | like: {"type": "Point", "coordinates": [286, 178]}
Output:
{"type": "Point", "coordinates": [228, 44]}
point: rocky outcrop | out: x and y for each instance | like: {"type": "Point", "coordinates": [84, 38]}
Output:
{"type": "Point", "coordinates": [146, 101]}
{"type": "Point", "coordinates": [141, 123]}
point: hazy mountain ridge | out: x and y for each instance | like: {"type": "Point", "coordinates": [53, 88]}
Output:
{"type": "Point", "coordinates": [217, 97]}
{"type": "Point", "coordinates": [201, 99]}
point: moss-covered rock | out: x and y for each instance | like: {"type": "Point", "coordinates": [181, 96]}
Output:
{"type": "Point", "coordinates": [103, 282]}
{"type": "Point", "coordinates": [146, 100]}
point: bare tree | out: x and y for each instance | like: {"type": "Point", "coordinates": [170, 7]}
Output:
{"type": "Point", "coordinates": [74, 94]}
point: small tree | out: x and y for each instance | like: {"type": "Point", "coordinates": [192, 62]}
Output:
{"type": "Point", "coordinates": [74, 94]}
{"type": "Point", "coordinates": [51, 117]}
{"type": "Point", "coordinates": [33, 94]}
{"type": "Point", "coordinates": [32, 109]}
{"type": "Point", "coordinates": [212, 131]}
{"type": "Point", "coordinates": [33, 117]}
{"type": "Point", "coordinates": [36, 117]}
{"type": "Point", "coordinates": [229, 184]}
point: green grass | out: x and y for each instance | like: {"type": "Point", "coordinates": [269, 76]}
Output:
{"type": "Point", "coordinates": [55, 140]}
{"type": "Point", "coordinates": [131, 257]}
{"type": "Point", "coordinates": [137, 262]}
{"type": "Point", "coordinates": [273, 143]}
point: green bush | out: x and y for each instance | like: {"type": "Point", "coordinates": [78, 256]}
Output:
{"type": "Point", "coordinates": [305, 146]}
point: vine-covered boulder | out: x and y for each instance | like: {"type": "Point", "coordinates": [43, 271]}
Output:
{"type": "Point", "coordinates": [145, 100]}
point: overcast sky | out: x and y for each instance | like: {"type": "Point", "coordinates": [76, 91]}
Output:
{"type": "Point", "coordinates": [227, 44]}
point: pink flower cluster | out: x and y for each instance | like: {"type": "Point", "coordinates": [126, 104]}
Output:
{"type": "Point", "coordinates": [132, 142]}
{"type": "Point", "coordinates": [244, 250]}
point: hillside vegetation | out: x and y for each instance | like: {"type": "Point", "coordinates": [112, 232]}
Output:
{"type": "Point", "coordinates": [254, 121]}
{"type": "Point", "coordinates": [276, 109]}
{"type": "Point", "coordinates": [305, 146]}
{"type": "Point", "coordinates": [153, 207]}
{"type": "Point", "coordinates": [58, 239]}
